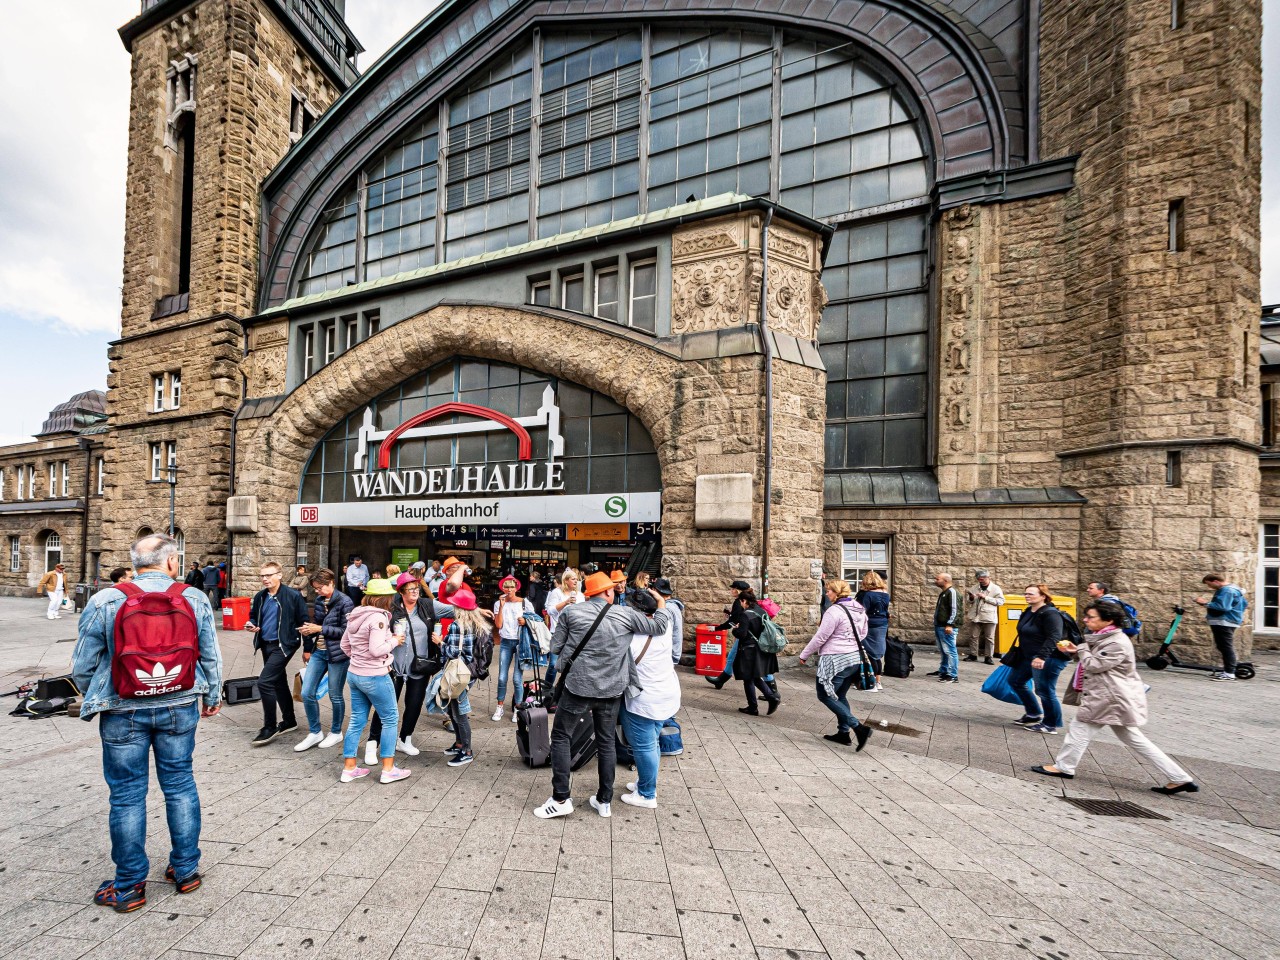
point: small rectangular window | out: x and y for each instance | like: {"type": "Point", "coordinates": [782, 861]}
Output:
{"type": "Point", "coordinates": [101, 474]}
{"type": "Point", "coordinates": [1, 483]}
{"type": "Point", "coordinates": [540, 293]}
{"type": "Point", "coordinates": [156, 462]}
{"type": "Point", "coordinates": [53, 480]}
{"type": "Point", "coordinates": [350, 332]}
{"type": "Point", "coordinates": [644, 295]}
{"type": "Point", "coordinates": [1173, 468]}
{"type": "Point", "coordinates": [66, 478]}
{"type": "Point", "coordinates": [1267, 616]}
{"type": "Point", "coordinates": [175, 389]}
{"type": "Point", "coordinates": [21, 492]}
{"type": "Point", "coordinates": [1177, 226]}
{"type": "Point", "coordinates": [171, 453]}
{"type": "Point", "coordinates": [606, 283]}
{"type": "Point", "coordinates": [31, 480]}
{"type": "Point", "coordinates": [330, 342]}
{"type": "Point", "coordinates": [1175, 14]}
{"type": "Point", "coordinates": [572, 291]}
{"type": "Point", "coordinates": [863, 556]}
{"type": "Point", "coordinates": [308, 352]}
{"type": "Point", "coordinates": [1268, 415]}
{"type": "Point", "coordinates": [15, 555]}
{"type": "Point", "coordinates": [157, 392]}
{"type": "Point", "coordinates": [373, 320]}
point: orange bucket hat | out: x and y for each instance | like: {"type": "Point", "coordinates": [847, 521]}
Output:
{"type": "Point", "coordinates": [597, 583]}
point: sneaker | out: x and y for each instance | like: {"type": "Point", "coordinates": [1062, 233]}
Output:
{"type": "Point", "coordinates": [515, 717]}
{"type": "Point", "coordinates": [633, 786]}
{"type": "Point", "coordinates": [1042, 728]}
{"type": "Point", "coordinates": [497, 714]}
{"type": "Point", "coordinates": [877, 688]}
{"type": "Point", "coordinates": [604, 809]}
{"type": "Point", "coordinates": [311, 740]}
{"type": "Point", "coordinates": [552, 808]}
{"type": "Point", "coordinates": [970, 658]}
{"type": "Point", "coordinates": [286, 726]}
{"type": "Point", "coordinates": [406, 747]}
{"type": "Point", "coordinates": [863, 733]}
{"type": "Point", "coordinates": [1221, 675]}
{"type": "Point", "coordinates": [371, 753]}
{"type": "Point", "coordinates": [355, 773]}
{"type": "Point", "coordinates": [265, 736]}
{"type": "Point", "coordinates": [1026, 720]}
{"type": "Point", "coordinates": [331, 739]}
{"type": "Point", "coordinates": [121, 901]}
{"type": "Point", "coordinates": [450, 751]}
{"type": "Point", "coordinates": [188, 885]}
{"type": "Point", "coordinates": [953, 679]}
{"type": "Point", "coordinates": [635, 800]}
{"type": "Point", "coordinates": [394, 774]}
{"type": "Point", "coordinates": [461, 759]}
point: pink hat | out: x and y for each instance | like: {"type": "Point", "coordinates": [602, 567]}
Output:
{"type": "Point", "coordinates": [502, 584]}
{"type": "Point", "coordinates": [464, 599]}
{"type": "Point", "coordinates": [405, 579]}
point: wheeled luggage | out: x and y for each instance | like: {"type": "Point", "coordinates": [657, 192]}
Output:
{"type": "Point", "coordinates": [582, 739]}
{"type": "Point", "coordinates": [898, 658]}
{"type": "Point", "coordinates": [533, 734]}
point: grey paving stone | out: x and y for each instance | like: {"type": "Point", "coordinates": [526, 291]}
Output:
{"type": "Point", "coordinates": [715, 936]}
{"type": "Point", "coordinates": [93, 923]}
{"type": "Point", "coordinates": [860, 942]}
{"type": "Point", "coordinates": [283, 942]}
{"type": "Point", "coordinates": [750, 871]}
{"type": "Point", "coordinates": [150, 935]}
{"type": "Point", "coordinates": [448, 918]}
{"type": "Point", "coordinates": [370, 932]}
{"type": "Point", "coordinates": [324, 904]}
{"type": "Point", "coordinates": [628, 945]}
{"type": "Point", "coordinates": [51, 948]}
{"type": "Point", "coordinates": [640, 907]}
{"type": "Point", "coordinates": [701, 887]}
{"type": "Point", "coordinates": [775, 920]}
{"type": "Point", "coordinates": [579, 930]}
{"type": "Point", "coordinates": [404, 881]}
{"type": "Point", "coordinates": [640, 861]}
{"type": "Point", "coordinates": [583, 877]}
{"type": "Point", "coordinates": [234, 925]}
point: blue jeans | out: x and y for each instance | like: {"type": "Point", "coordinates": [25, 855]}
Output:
{"type": "Point", "coordinates": [508, 659]}
{"type": "Point", "coordinates": [128, 737]}
{"type": "Point", "coordinates": [642, 736]}
{"type": "Point", "coordinates": [949, 664]}
{"type": "Point", "coordinates": [728, 663]}
{"type": "Point", "coordinates": [839, 704]}
{"type": "Point", "coordinates": [1046, 684]}
{"type": "Point", "coordinates": [317, 667]}
{"type": "Point", "coordinates": [380, 693]}
{"type": "Point", "coordinates": [1020, 680]}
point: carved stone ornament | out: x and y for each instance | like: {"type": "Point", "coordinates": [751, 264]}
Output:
{"type": "Point", "coordinates": [707, 240]}
{"type": "Point", "coordinates": [791, 300]}
{"type": "Point", "coordinates": [784, 243]}
{"type": "Point", "coordinates": [707, 295]}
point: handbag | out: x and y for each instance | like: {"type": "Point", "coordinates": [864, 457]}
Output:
{"type": "Point", "coordinates": [1075, 688]}
{"type": "Point", "coordinates": [566, 664]}
{"type": "Point", "coordinates": [865, 679]}
{"type": "Point", "coordinates": [997, 685]}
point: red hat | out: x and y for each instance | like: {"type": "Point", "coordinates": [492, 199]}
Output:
{"type": "Point", "coordinates": [464, 599]}
{"type": "Point", "coordinates": [502, 584]}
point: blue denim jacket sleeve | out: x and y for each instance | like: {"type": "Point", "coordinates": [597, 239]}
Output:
{"type": "Point", "coordinates": [210, 652]}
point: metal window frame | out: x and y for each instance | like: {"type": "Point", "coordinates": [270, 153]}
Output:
{"type": "Point", "coordinates": [156, 460]}
{"type": "Point", "coordinates": [15, 554]}
{"type": "Point", "coordinates": [157, 392]}
{"type": "Point", "coordinates": [175, 389]}
{"type": "Point", "coordinates": [632, 265]}
{"type": "Point", "coordinates": [886, 539]}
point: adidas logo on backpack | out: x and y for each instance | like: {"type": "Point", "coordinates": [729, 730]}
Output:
{"type": "Point", "coordinates": [156, 643]}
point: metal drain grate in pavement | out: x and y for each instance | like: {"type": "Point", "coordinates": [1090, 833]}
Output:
{"type": "Point", "coordinates": [1114, 808]}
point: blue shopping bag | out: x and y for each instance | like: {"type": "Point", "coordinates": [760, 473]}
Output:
{"type": "Point", "coordinates": [322, 688]}
{"type": "Point", "coordinates": [997, 685]}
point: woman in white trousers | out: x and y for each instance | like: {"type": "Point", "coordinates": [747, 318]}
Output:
{"type": "Point", "coordinates": [1114, 696]}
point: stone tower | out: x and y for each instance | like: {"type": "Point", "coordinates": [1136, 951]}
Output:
{"type": "Point", "coordinates": [220, 91]}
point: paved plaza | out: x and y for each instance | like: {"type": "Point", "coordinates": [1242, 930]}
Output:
{"type": "Point", "coordinates": [932, 844]}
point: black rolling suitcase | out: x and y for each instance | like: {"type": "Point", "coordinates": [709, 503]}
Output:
{"type": "Point", "coordinates": [533, 731]}
{"type": "Point", "coordinates": [898, 658]}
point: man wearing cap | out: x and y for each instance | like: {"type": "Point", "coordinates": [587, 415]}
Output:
{"type": "Point", "coordinates": [675, 608]}
{"type": "Point", "coordinates": [982, 610]}
{"type": "Point", "coordinates": [357, 575]}
{"type": "Point", "coordinates": [593, 682]}
{"type": "Point", "coordinates": [54, 583]}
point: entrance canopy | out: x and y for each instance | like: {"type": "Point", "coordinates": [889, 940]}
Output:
{"type": "Point", "coordinates": [479, 443]}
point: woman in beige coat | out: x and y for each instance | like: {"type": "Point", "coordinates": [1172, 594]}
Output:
{"type": "Point", "coordinates": [1113, 696]}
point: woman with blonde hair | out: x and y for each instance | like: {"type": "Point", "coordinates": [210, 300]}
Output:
{"type": "Point", "coordinates": [393, 571]}
{"type": "Point", "coordinates": [874, 597]}
{"type": "Point", "coordinates": [839, 651]}
{"type": "Point", "coordinates": [468, 624]}
{"type": "Point", "coordinates": [560, 599]}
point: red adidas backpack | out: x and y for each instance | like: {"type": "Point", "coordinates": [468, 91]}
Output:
{"type": "Point", "coordinates": [157, 643]}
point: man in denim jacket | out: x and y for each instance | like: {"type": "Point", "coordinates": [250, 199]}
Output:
{"type": "Point", "coordinates": [130, 731]}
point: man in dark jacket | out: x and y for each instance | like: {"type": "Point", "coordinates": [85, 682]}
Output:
{"type": "Point", "coordinates": [195, 577]}
{"type": "Point", "coordinates": [322, 653]}
{"type": "Point", "coordinates": [276, 613]}
{"type": "Point", "coordinates": [946, 621]}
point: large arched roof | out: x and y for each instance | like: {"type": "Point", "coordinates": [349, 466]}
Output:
{"type": "Point", "coordinates": [971, 91]}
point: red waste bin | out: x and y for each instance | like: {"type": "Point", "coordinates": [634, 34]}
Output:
{"type": "Point", "coordinates": [235, 612]}
{"type": "Point", "coordinates": [713, 650]}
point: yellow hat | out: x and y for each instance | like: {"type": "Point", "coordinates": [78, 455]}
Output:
{"type": "Point", "coordinates": [379, 588]}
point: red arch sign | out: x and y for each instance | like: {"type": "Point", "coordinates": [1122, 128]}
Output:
{"type": "Point", "coordinates": [524, 443]}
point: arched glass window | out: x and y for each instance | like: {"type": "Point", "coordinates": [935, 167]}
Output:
{"type": "Point", "coordinates": [182, 550]}
{"type": "Point", "coordinates": [52, 550]}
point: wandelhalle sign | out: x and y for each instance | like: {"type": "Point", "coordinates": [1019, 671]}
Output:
{"type": "Point", "coordinates": [524, 491]}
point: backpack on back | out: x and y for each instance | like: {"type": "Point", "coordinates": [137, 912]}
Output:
{"type": "Point", "coordinates": [772, 638]}
{"type": "Point", "coordinates": [1132, 625]}
{"type": "Point", "coordinates": [1070, 629]}
{"type": "Point", "coordinates": [157, 643]}
{"type": "Point", "coordinates": [482, 654]}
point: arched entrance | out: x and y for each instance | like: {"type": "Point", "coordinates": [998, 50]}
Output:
{"type": "Point", "coordinates": [52, 549]}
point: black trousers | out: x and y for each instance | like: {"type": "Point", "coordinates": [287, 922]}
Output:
{"type": "Point", "coordinates": [1224, 639]}
{"type": "Point", "coordinates": [415, 697]}
{"type": "Point", "coordinates": [273, 687]}
{"type": "Point", "coordinates": [355, 593]}
{"type": "Point", "coordinates": [751, 685]}
{"type": "Point", "coordinates": [570, 711]}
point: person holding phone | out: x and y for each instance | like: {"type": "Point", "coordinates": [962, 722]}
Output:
{"type": "Point", "coordinates": [275, 614]}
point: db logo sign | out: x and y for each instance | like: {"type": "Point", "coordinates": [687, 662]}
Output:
{"type": "Point", "coordinates": [309, 515]}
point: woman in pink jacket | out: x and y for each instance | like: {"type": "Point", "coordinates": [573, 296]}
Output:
{"type": "Point", "coordinates": [837, 643]}
{"type": "Point", "coordinates": [369, 643]}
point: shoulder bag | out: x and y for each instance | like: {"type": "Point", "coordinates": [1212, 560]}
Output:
{"type": "Point", "coordinates": [420, 666]}
{"type": "Point", "coordinates": [866, 677]}
{"type": "Point", "coordinates": [567, 664]}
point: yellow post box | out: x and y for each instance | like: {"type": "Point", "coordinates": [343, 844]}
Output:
{"type": "Point", "coordinates": [1007, 628]}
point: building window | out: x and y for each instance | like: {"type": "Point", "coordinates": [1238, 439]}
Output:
{"type": "Point", "coordinates": [180, 137]}
{"type": "Point", "coordinates": [330, 335]}
{"type": "Point", "coordinates": [1173, 468]}
{"type": "Point", "coordinates": [1, 483]}
{"type": "Point", "coordinates": [101, 472]}
{"type": "Point", "coordinates": [644, 295]}
{"type": "Point", "coordinates": [21, 485]}
{"type": "Point", "coordinates": [1268, 414]}
{"type": "Point", "coordinates": [53, 480]}
{"type": "Point", "coordinates": [175, 389]}
{"type": "Point", "coordinates": [572, 290]}
{"type": "Point", "coordinates": [1268, 614]}
{"type": "Point", "coordinates": [864, 556]}
{"type": "Point", "coordinates": [31, 480]}
{"type": "Point", "coordinates": [301, 117]}
{"type": "Point", "coordinates": [53, 553]}
{"type": "Point", "coordinates": [182, 548]}
{"type": "Point", "coordinates": [1177, 226]}
{"type": "Point", "coordinates": [171, 458]}
{"type": "Point", "coordinates": [66, 477]}
{"type": "Point", "coordinates": [350, 332]}
{"type": "Point", "coordinates": [540, 293]}
{"type": "Point", "coordinates": [15, 555]}
{"type": "Point", "coordinates": [606, 284]}
{"type": "Point", "coordinates": [157, 462]}
{"type": "Point", "coordinates": [1175, 14]}
{"type": "Point", "coordinates": [308, 352]}
{"type": "Point", "coordinates": [157, 392]}
{"type": "Point", "coordinates": [373, 320]}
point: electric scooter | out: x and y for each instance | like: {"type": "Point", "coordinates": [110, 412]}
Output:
{"type": "Point", "coordinates": [1165, 657]}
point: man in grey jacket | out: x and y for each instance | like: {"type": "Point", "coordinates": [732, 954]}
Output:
{"type": "Point", "coordinates": [593, 684]}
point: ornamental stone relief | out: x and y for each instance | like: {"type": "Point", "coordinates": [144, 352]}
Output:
{"type": "Point", "coordinates": [708, 295]}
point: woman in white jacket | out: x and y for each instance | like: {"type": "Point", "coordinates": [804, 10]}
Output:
{"type": "Point", "coordinates": [1113, 695]}
{"type": "Point", "coordinates": [656, 703]}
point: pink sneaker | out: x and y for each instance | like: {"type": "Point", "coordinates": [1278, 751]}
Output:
{"type": "Point", "coordinates": [355, 773]}
{"type": "Point", "coordinates": [394, 774]}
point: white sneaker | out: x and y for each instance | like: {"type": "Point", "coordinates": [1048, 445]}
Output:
{"type": "Point", "coordinates": [604, 809]}
{"type": "Point", "coordinates": [633, 786]}
{"type": "Point", "coordinates": [406, 747]}
{"type": "Point", "coordinates": [878, 687]}
{"type": "Point", "coordinates": [552, 809]}
{"type": "Point", "coordinates": [1221, 675]}
{"type": "Point", "coordinates": [497, 714]}
{"type": "Point", "coordinates": [371, 752]}
{"type": "Point", "coordinates": [308, 742]}
{"type": "Point", "coordinates": [331, 739]}
{"type": "Point", "coordinates": [638, 801]}
{"type": "Point", "coordinates": [515, 717]}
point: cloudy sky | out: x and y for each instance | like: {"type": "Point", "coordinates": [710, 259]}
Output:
{"type": "Point", "coordinates": [64, 101]}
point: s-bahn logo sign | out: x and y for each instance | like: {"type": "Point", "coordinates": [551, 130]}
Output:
{"type": "Point", "coordinates": [525, 475]}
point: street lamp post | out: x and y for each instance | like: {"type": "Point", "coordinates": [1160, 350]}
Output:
{"type": "Point", "coordinates": [173, 489]}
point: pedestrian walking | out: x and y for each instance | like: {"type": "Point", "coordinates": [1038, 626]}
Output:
{"type": "Point", "coordinates": [751, 665]}
{"type": "Point", "coordinates": [537, 591]}
{"type": "Point", "coordinates": [835, 643]}
{"type": "Point", "coordinates": [323, 656]}
{"type": "Point", "coordinates": [301, 581]}
{"type": "Point", "coordinates": [161, 722]}
{"type": "Point", "coordinates": [597, 635]}
{"type": "Point", "coordinates": [946, 618]}
{"type": "Point", "coordinates": [675, 607]}
{"type": "Point", "coordinates": [467, 627]}
{"type": "Point", "coordinates": [357, 576]}
{"type": "Point", "coordinates": [195, 577]}
{"type": "Point", "coordinates": [1037, 661]}
{"type": "Point", "coordinates": [370, 642]}
{"type": "Point", "coordinates": [54, 584]}
{"type": "Point", "coordinates": [210, 571]}
{"type": "Point", "coordinates": [514, 653]}
{"type": "Point", "coordinates": [982, 603]}
{"type": "Point", "coordinates": [411, 617]}
{"type": "Point", "coordinates": [1224, 612]}
{"type": "Point", "coordinates": [731, 611]}
{"type": "Point", "coordinates": [1113, 695]}
{"type": "Point", "coordinates": [275, 614]}
{"type": "Point", "coordinates": [647, 709]}
{"type": "Point", "coordinates": [875, 600]}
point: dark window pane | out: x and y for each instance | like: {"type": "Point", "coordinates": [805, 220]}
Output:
{"type": "Point", "coordinates": [864, 444]}
{"type": "Point", "coordinates": [866, 398]}
{"type": "Point", "coordinates": [904, 443]}
{"type": "Point", "coordinates": [834, 446]}
{"type": "Point", "coordinates": [906, 354]}
{"type": "Point", "coordinates": [643, 473]}
{"type": "Point", "coordinates": [608, 474]}
{"type": "Point", "coordinates": [904, 395]}
{"type": "Point", "coordinates": [835, 400]}
{"type": "Point", "coordinates": [866, 358]}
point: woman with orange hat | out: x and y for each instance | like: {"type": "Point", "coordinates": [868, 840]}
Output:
{"type": "Point", "coordinates": [508, 616]}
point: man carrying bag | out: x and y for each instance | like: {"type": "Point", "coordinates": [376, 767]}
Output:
{"type": "Point", "coordinates": [598, 669]}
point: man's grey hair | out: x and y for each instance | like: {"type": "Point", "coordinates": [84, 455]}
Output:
{"type": "Point", "coordinates": [979, 574]}
{"type": "Point", "coordinates": [152, 550]}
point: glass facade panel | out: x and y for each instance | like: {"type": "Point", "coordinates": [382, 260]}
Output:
{"type": "Point", "coordinates": [331, 264]}
{"type": "Point", "coordinates": [400, 206]}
